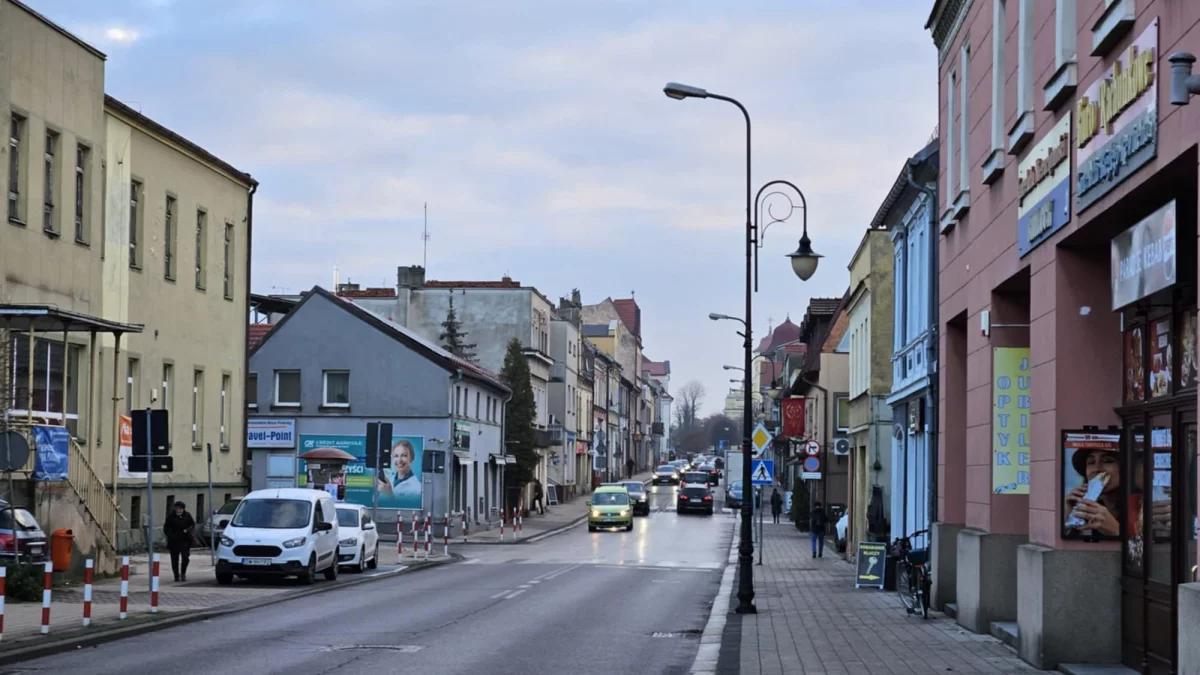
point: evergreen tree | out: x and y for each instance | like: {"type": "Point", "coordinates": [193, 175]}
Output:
{"type": "Point", "coordinates": [519, 416]}
{"type": "Point", "coordinates": [453, 338]}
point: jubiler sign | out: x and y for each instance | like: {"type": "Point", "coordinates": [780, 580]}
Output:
{"type": "Point", "coordinates": [1117, 121]}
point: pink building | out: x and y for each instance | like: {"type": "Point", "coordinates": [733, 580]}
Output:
{"type": "Point", "coordinates": [1067, 444]}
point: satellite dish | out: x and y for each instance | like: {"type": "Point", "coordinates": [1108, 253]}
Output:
{"type": "Point", "coordinates": [14, 451]}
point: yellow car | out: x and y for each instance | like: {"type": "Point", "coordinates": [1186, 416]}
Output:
{"type": "Point", "coordinates": [610, 507]}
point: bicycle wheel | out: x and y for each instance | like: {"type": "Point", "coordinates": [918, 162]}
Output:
{"type": "Point", "coordinates": [926, 588]}
{"type": "Point", "coordinates": [904, 587]}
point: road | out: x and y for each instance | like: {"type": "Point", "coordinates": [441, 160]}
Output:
{"type": "Point", "coordinates": [607, 603]}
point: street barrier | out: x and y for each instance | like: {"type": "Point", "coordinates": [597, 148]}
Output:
{"type": "Point", "coordinates": [446, 535]}
{"type": "Point", "coordinates": [87, 592]}
{"type": "Point", "coordinates": [47, 583]}
{"type": "Point", "coordinates": [464, 526]}
{"type": "Point", "coordinates": [154, 584]}
{"type": "Point", "coordinates": [3, 575]}
{"type": "Point", "coordinates": [124, 587]}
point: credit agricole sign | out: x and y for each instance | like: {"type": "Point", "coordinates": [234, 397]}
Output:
{"type": "Point", "coordinates": [1116, 121]}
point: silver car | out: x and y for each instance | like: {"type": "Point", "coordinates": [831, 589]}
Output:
{"type": "Point", "coordinates": [20, 535]}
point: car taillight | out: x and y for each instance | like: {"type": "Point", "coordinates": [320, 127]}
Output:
{"type": "Point", "coordinates": [8, 542]}
{"type": "Point", "coordinates": [708, 498]}
{"type": "Point", "coordinates": [683, 497]}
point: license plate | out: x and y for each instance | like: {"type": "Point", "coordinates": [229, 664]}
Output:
{"type": "Point", "coordinates": [35, 550]}
{"type": "Point", "coordinates": [256, 561]}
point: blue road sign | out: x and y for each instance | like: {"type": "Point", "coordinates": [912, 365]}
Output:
{"type": "Point", "coordinates": [762, 472]}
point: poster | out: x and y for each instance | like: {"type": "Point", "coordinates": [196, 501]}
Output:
{"type": "Point", "coordinates": [871, 564]}
{"type": "Point", "coordinates": [1187, 345]}
{"type": "Point", "coordinates": [1135, 366]}
{"type": "Point", "coordinates": [1160, 358]}
{"type": "Point", "coordinates": [126, 450]}
{"type": "Point", "coordinates": [52, 448]}
{"type": "Point", "coordinates": [1091, 485]}
{"type": "Point", "coordinates": [399, 487]}
{"type": "Point", "coordinates": [1010, 420]}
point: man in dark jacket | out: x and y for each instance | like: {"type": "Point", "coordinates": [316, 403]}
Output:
{"type": "Point", "coordinates": [776, 504]}
{"type": "Point", "coordinates": [180, 528]}
{"type": "Point", "coordinates": [817, 522]}
{"type": "Point", "coordinates": [538, 496]}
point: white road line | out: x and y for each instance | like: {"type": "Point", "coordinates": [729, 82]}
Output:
{"type": "Point", "coordinates": [535, 581]}
{"type": "Point", "coordinates": [472, 561]}
{"type": "Point", "coordinates": [500, 594]}
{"type": "Point", "coordinates": [514, 594]}
{"type": "Point", "coordinates": [561, 572]}
{"type": "Point", "coordinates": [524, 586]}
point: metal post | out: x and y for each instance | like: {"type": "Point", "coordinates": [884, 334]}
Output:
{"type": "Point", "coordinates": [116, 446]}
{"type": "Point", "coordinates": [378, 470]}
{"type": "Point", "coordinates": [761, 490]}
{"type": "Point", "coordinates": [150, 496]}
{"type": "Point", "coordinates": [29, 378]}
{"type": "Point", "coordinates": [91, 415]}
{"type": "Point", "coordinates": [212, 531]}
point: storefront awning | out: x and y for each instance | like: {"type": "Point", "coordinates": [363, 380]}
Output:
{"type": "Point", "coordinates": [498, 459]}
{"type": "Point", "coordinates": [510, 459]}
{"type": "Point", "coordinates": [463, 457]}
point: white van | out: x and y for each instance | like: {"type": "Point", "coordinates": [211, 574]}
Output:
{"type": "Point", "coordinates": [280, 532]}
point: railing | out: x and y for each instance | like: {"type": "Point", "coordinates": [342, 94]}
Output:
{"type": "Point", "coordinates": [99, 503]}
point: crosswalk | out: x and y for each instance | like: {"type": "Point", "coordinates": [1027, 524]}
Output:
{"type": "Point", "coordinates": [678, 566]}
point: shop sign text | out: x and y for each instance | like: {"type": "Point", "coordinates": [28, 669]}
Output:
{"type": "Point", "coordinates": [1043, 186]}
{"type": "Point", "coordinates": [1010, 420]}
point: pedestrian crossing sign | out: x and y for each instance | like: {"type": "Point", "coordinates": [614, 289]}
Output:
{"type": "Point", "coordinates": [760, 439]}
{"type": "Point", "coordinates": [762, 472]}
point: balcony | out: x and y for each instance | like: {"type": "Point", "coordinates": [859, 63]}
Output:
{"type": "Point", "coordinates": [557, 434]}
{"type": "Point", "coordinates": [558, 372]}
{"type": "Point", "coordinates": [911, 365]}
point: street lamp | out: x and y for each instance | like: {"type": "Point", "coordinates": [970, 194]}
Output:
{"type": "Point", "coordinates": [804, 264]}
{"type": "Point", "coordinates": [733, 368]}
{"type": "Point", "coordinates": [725, 317]}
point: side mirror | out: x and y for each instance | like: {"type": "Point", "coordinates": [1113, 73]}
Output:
{"type": "Point", "coordinates": [324, 527]}
{"type": "Point", "coordinates": [369, 526]}
{"type": "Point", "coordinates": [588, 503]}
{"type": "Point", "coordinates": [224, 523]}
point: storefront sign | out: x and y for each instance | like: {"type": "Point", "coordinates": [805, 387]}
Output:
{"type": "Point", "coordinates": [270, 433]}
{"type": "Point", "coordinates": [1143, 258]}
{"type": "Point", "coordinates": [1091, 484]}
{"type": "Point", "coordinates": [462, 435]}
{"type": "Point", "coordinates": [1010, 420]}
{"type": "Point", "coordinates": [1117, 121]}
{"type": "Point", "coordinates": [1043, 188]}
{"type": "Point", "coordinates": [793, 417]}
{"type": "Point", "coordinates": [872, 563]}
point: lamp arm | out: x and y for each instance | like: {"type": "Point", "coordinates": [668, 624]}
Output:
{"type": "Point", "coordinates": [757, 235]}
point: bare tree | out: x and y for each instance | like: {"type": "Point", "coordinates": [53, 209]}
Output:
{"type": "Point", "coordinates": [690, 398]}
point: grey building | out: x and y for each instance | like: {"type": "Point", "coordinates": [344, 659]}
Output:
{"type": "Point", "coordinates": [566, 400]}
{"type": "Point", "coordinates": [329, 367]}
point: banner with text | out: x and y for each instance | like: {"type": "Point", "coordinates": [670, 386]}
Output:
{"type": "Point", "coordinates": [399, 486]}
{"type": "Point", "coordinates": [1010, 420]}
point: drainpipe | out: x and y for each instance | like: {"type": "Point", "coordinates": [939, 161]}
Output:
{"type": "Point", "coordinates": [246, 343]}
{"type": "Point", "coordinates": [503, 452]}
{"type": "Point", "coordinates": [932, 347]}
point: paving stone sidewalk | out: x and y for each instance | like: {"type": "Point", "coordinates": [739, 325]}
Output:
{"type": "Point", "coordinates": [812, 621]}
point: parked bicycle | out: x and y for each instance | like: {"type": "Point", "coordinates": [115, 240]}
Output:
{"type": "Point", "coordinates": [913, 580]}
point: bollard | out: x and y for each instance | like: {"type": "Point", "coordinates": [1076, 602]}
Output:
{"type": "Point", "coordinates": [417, 533]}
{"type": "Point", "coordinates": [47, 582]}
{"type": "Point", "coordinates": [87, 592]}
{"type": "Point", "coordinates": [399, 536]}
{"type": "Point", "coordinates": [154, 584]}
{"type": "Point", "coordinates": [464, 527]}
{"type": "Point", "coordinates": [502, 514]}
{"type": "Point", "coordinates": [124, 587]}
{"type": "Point", "coordinates": [3, 573]}
{"type": "Point", "coordinates": [446, 535]}
{"type": "Point", "coordinates": [520, 522]}
{"type": "Point", "coordinates": [428, 534]}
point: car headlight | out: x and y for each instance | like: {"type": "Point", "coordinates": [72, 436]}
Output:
{"type": "Point", "coordinates": [294, 543]}
{"type": "Point", "coordinates": [595, 513]}
{"type": "Point", "coordinates": [226, 542]}
{"type": "Point", "coordinates": [352, 541]}
{"type": "Point", "coordinates": [624, 513]}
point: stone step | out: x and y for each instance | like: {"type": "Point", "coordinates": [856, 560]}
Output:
{"type": "Point", "coordinates": [951, 609]}
{"type": "Point", "coordinates": [1095, 669]}
{"type": "Point", "coordinates": [1006, 632]}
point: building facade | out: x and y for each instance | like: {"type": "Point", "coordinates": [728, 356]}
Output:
{"type": "Point", "coordinates": [565, 398]}
{"type": "Point", "coordinates": [1067, 329]}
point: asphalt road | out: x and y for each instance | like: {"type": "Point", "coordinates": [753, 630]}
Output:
{"type": "Point", "coordinates": [607, 603]}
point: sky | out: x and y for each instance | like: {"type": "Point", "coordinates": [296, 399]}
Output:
{"type": "Point", "coordinates": [538, 134]}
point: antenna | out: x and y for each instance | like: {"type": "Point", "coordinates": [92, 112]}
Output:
{"type": "Point", "coordinates": [425, 240]}
{"type": "Point", "coordinates": [336, 279]}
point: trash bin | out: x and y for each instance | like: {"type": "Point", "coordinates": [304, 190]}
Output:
{"type": "Point", "coordinates": [61, 542]}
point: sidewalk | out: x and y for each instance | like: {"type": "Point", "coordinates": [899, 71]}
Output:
{"type": "Point", "coordinates": [812, 621]}
{"type": "Point", "coordinates": [558, 517]}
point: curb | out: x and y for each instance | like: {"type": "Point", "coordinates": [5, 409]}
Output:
{"type": "Point", "coordinates": [708, 655]}
{"type": "Point", "coordinates": [153, 623]}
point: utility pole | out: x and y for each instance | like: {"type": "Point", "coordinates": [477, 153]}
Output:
{"type": "Point", "coordinates": [425, 240]}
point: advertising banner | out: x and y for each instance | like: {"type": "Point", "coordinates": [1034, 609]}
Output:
{"type": "Point", "coordinates": [1044, 188]}
{"type": "Point", "coordinates": [1143, 257]}
{"type": "Point", "coordinates": [793, 417]}
{"type": "Point", "coordinates": [50, 462]}
{"type": "Point", "coordinates": [264, 432]}
{"type": "Point", "coordinates": [1091, 485]}
{"type": "Point", "coordinates": [399, 486]}
{"type": "Point", "coordinates": [1010, 420]}
{"type": "Point", "coordinates": [126, 450]}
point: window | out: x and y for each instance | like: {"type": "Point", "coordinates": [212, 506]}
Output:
{"type": "Point", "coordinates": [225, 411]}
{"type": "Point", "coordinates": [964, 91]}
{"type": "Point", "coordinates": [169, 238]}
{"type": "Point", "coordinates": [132, 386]}
{"type": "Point", "coordinates": [50, 178]}
{"type": "Point", "coordinates": [228, 264]}
{"type": "Point", "coordinates": [197, 407]}
{"type": "Point", "coordinates": [1022, 129]}
{"type": "Point", "coordinates": [135, 222]}
{"type": "Point", "coordinates": [1064, 78]}
{"type": "Point", "coordinates": [337, 388]}
{"type": "Point", "coordinates": [477, 396]}
{"type": "Point", "coordinates": [252, 391]}
{"type": "Point", "coordinates": [280, 465]}
{"type": "Point", "coordinates": [201, 224]}
{"type": "Point", "coordinates": [902, 281]}
{"type": "Point", "coordinates": [48, 398]}
{"type": "Point", "coordinates": [83, 184]}
{"type": "Point", "coordinates": [200, 505]}
{"type": "Point", "coordinates": [287, 388]}
{"type": "Point", "coordinates": [168, 386]}
{"type": "Point", "coordinates": [843, 413]}
{"type": "Point", "coordinates": [103, 204]}
{"type": "Point", "coordinates": [948, 143]}
{"type": "Point", "coordinates": [16, 137]}
{"type": "Point", "coordinates": [135, 511]}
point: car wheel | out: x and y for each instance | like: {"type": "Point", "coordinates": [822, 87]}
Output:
{"type": "Point", "coordinates": [224, 579]}
{"type": "Point", "coordinates": [374, 559]}
{"type": "Point", "coordinates": [309, 575]}
{"type": "Point", "coordinates": [591, 528]}
{"type": "Point", "coordinates": [331, 572]}
{"type": "Point", "coordinates": [629, 527]}
{"type": "Point", "coordinates": [362, 560]}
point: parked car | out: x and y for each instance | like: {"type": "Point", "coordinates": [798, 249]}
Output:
{"type": "Point", "coordinates": [610, 507]}
{"type": "Point", "coordinates": [665, 475]}
{"type": "Point", "coordinates": [693, 498]}
{"type": "Point", "coordinates": [358, 543]}
{"type": "Point", "coordinates": [212, 527]}
{"type": "Point", "coordinates": [733, 495]}
{"type": "Point", "coordinates": [20, 535]}
{"type": "Point", "coordinates": [637, 495]}
{"type": "Point", "coordinates": [280, 532]}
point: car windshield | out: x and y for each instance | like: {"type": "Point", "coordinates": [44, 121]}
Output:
{"type": "Point", "coordinates": [634, 487]}
{"type": "Point", "coordinates": [25, 520]}
{"type": "Point", "coordinates": [347, 517]}
{"type": "Point", "coordinates": [736, 487]}
{"type": "Point", "coordinates": [276, 514]}
{"type": "Point", "coordinates": [229, 507]}
{"type": "Point", "coordinates": [610, 499]}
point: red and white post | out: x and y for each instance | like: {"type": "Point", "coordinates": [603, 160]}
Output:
{"type": "Point", "coordinates": [47, 583]}
{"type": "Point", "coordinates": [124, 587]}
{"type": "Point", "coordinates": [446, 535]}
{"type": "Point", "coordinates": [520, 522]}
{"type": "Point", "coordinates": [154, 584]}
{"type": "Point", "coordinates": [428, 534]}
{"type": "Point", "coordinates": [399, 535]}
{"type": "Point", "coordinates": [87, 592]}
{"type": "Point", "coordinates": [464, 527]}
{"type": "Point", "coordinates": [3, 573]}
{"type": "Point", "coordinates": [503, 514]}
{"type": "Point", "coordinates": [417, 533]}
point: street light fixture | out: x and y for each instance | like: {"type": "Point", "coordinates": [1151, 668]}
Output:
{"type": "Point", "coordinates": [681, 91]}
{"type": "Point", "coordinates": [733, 368]}
{"type": "Point", "coordinates": [725, 317]}
{"type": "Point", "coordinates": [804, 259]}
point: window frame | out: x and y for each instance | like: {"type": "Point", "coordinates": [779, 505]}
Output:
{"type": "Point", "coordinates": [226, 410]}
{"type": "Point", "coordinates": [171, 235]}
{"type": "Point", "coordinates": [325, 402]}
{"type": "Point", "coordinates": [252, 388]}
{"type": "Point", "coordinates": [197, 408]}
{"type": "Point", "coordinates": [136, 192]}
{"type": "Point", "coordinates": [837, 413]}
{"type": "Point", "coordinates": [201, 249]}
{"type": "Point", "coordinates": [18, 128]}
{"type": "Point", "coordinates": [275, 393]}
{"type": "Point", "coordinates": [83, 191]}
{"type": "Point", "coordinates": [227, 254]}
{"type": "Point", "coordinates": [53, 141]}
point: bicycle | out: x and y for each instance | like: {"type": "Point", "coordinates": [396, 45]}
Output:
{"type": "Point", "coordinates": [913, 580]}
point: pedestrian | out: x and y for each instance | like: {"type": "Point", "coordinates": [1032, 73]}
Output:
{"type": "Point", "coordinates": [629, 467]}
{"type": "Point", "coordinates": [180, 529]}
{"type": "Point", "coordinates": [817, 523]}
{"type": "Point", "coordinates": [776, 504]}
{"type": "Point", "coordinates": [537, 497]}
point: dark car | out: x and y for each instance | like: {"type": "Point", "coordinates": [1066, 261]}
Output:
{"type": "Point", "coordinates": [733, 495]}
{"type": "Point", "coordinates": [694, 499]}
{"type": "Point", "coordinates": [695, 478]}
{"type": "Point", "coordinates": [714, 476]}
{"type": "Point", "coordinates": [20, 535]}
{"type": "Point", "coordinates": [637, 494]}
{"type": "Point", "coordinates": [665, 475]}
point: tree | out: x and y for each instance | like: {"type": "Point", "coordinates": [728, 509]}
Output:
{"type": "Point", "coordinates": [454, 338]}
{"type": "Point", "coordinates": [519, 416]}
{"type": "Point", "coordinates": [690, 398]}
{"type": "Point", "coordinates": [721, 428]}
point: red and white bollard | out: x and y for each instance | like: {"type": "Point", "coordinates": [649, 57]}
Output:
{"type": "Point", "coordinates": [428, 534]}
{"type": "Point", "coordinates": [446, 535]}
{"type": "Point", "coordinates": [154, 584]}
{"type": "Point", "coordinates": [502, 514]}
{"type": "Point", "coordinates": [3, 573]}
{"type": "Point", "coordinates": [417, 533]}
{"type": "Point", "coordinates": [520, 522]}
{"type": "Point", "coordinates": [399, 535]}
{"type": "Point", "coordinates": [87, 592]}
{"type": "Point", "coordinates": [464, 527]}
{"type": "Point", "coordinates": [124, 587]}
{"type": "Point", "coordinates": [47, 583]}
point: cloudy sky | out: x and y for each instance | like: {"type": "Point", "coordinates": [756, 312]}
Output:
{"type": "Point", "coordinates": [538, 134]}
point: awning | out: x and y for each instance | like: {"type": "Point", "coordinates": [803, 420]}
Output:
{"type": "Point", "coordinates": [47, 319]}
{"type": "Point", "coordinates": [463, 457]}
{"type": "Point", "coordinates": [510, 459]}
{"type": "Point", "coordinates": [498, 459]}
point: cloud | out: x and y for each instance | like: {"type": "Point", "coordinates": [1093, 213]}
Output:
{"type": "Point", "coordinates": [121, 35]}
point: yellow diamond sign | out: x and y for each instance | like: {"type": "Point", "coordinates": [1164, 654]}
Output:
{"type": "Point", "coordinates": [761, 438]}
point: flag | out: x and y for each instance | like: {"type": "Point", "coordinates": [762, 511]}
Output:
{"type": "Point", "coordinates": [793, 417]}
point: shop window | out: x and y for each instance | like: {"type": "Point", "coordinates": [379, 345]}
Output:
{"type": "Point", "coordinates": [1135, 365]}
{"type": "Point", "coordinates": [1188, 367]}
{"type": "Point", "coordinates": [1159, 335]}
{"type": "Point", "coordinates": [52, 394]}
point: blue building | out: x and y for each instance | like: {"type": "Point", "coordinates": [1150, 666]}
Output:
{"type": "Point", "coordinates": [909, 212]}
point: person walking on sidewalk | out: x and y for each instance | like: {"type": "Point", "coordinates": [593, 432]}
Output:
{"type": "Point", "coordinates": [776, 504]}
{"type": "Point", "coordinates": [538, 495]}
{"type": "Point", "coordinates": [817, 522]}
{"type": "Point", "coordinates": [180, 529]}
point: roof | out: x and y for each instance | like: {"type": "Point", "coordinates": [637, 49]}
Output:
{"type": "Point", "coordinates": [429, 350]}
{"type": "Point", "coordinates": [125, 111]}
{"type": "Point", "coordinates": [783, 334]}
{"type": "Point", "coordinates": [768, 371]}
{"type": "Point", "coordinates": [367, 293]}
{"type": "Point", "coordinates": [272, 303]}
{"type": "Point", "coordinates": [657, 368]}
{"type": "Point", "coordinates": [505, 282]}
{"type": "Point", "coordinates": [630, 315]}
{"type": "Point", "coordinates": [812, 361]}
{"type": "Point", "coordinates": [48, 318]}
{"type": "Point", "coordinates": [901, 183]}
{"type": "Point", "coordinates": [257, 332]}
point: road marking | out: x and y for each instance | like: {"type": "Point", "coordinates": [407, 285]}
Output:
{"type": "Point", "coordinates": [514, 594]}
{"type": "Point", "coordinates": [535, 581]}
{"type": "Point", "coordinates": [524, 586]}
{"type": "Point", "coordinates": [500, 594]}
{"type": "Point", "coordinates": [472, 561]}
{"type": "Point", "coordinates": [561, 572]}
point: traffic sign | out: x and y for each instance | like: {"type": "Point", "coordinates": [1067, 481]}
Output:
{"type": "Point", "coordinates": [760, 439]}
{"type": "Point", "coordinates": [762, 472]}
{"type": "Point", "coordinates": [812, 464]}
{"type": "Point", "coordinates": [812, 448]}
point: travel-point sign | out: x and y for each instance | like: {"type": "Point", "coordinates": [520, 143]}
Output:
{"type": "Point", "coordinates": [761, 438]}
{"type": "Point", "coordinates": [762, 472]}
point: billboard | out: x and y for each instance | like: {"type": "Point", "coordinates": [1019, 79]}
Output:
{"type": "Point", "coordinates": [399, 486]}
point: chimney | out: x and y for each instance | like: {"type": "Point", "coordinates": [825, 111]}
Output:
{"type": "Point", "coordinates": [576, 298]}
{"type": "Point", "coordinates": [412, 276]}
{"type": "Point", "coordinates": [506, 279]}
